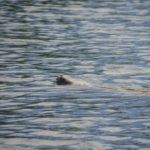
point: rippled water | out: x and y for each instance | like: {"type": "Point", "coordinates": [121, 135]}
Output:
{"type": "Point", "coordinates": [104, 46]}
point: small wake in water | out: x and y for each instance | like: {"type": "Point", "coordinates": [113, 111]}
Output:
{"type": "Point", "coordinates": [127, 89]}
{"type": "Point", "coordinates": [122, 87]}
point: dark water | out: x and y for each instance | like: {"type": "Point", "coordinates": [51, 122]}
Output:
{"type": "Point", "coordinates": [105, 44]}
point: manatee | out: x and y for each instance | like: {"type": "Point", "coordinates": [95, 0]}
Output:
{"type": "Point", "coordinates": [67, 80]}
{"type": "Point", "coordinates": [61, 80]}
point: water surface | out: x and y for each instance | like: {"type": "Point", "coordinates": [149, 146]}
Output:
{"type": "Point", "coordinates": [105, 45]}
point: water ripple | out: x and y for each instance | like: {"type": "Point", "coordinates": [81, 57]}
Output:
{"type": "Point", "coordinates": [102, 46]}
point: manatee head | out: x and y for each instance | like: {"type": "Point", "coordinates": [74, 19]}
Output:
{"type": "Point", "coordinates": [60, 80]}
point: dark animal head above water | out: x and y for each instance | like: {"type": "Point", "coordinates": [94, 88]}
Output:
{"type": "Point", "coordinates": [60, 80]}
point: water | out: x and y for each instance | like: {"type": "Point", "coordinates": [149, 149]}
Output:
{"type": "Point", "coordinates": [103, 44]}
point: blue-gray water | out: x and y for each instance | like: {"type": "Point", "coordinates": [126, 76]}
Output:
{"type": "Point", "coordinates": [105, 45]}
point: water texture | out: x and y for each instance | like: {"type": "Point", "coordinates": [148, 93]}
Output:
{"type": "Point", "coordinates": [103, 47]}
